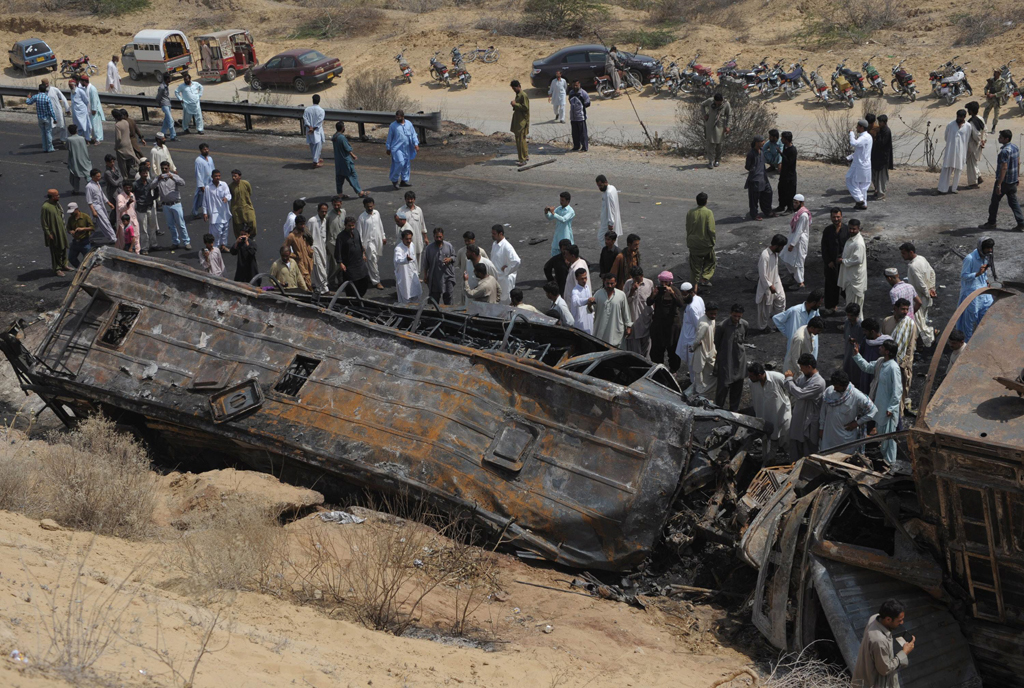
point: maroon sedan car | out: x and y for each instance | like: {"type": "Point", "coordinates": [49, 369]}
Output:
{"type": "Point", "coordinates": [301, 68]}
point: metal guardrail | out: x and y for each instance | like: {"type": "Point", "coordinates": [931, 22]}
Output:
{"type": "Point", "coordinates": [422, 121]}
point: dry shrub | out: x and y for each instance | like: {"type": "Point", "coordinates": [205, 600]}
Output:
{"type": "Point", "coordinates": [803, 671]}
{"type": "Point", "coordinates": [850, 22]}
{"type": "Point", "coordinates": [692, 11]}
{"type": "Point", "coordinates": [331, 18]}
{"type": "Point", "coordinates": [95, 478]}
{"type": "Point", "coordinates": [470, 572]}
{"type": "Point", "coordinates": [17, 479]}
{"type": "Point", "coordinates": [833, 128]}
{"type": "Point", "coordinates": [239, 546]}
{"type": "Point", "coordinates": [750, 117]}
{"type": "Point", "coordinates": [376, 91]}
{"type": "Point", "coordinates": [974, 29]}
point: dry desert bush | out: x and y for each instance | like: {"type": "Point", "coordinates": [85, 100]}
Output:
{"type": "Point", "coordinates": [750, 117]}
{"type": "Point", "coordinates": [376, 91]}
{"type": "Point", "coordinates": [850, 22]}
{"type": "Point", "coordinates": [93, 478]}
{"type": "Point", "coordinates": [976, 28]}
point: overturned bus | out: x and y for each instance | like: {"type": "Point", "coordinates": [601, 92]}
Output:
{"type": "Point", "coordinates": [831, 538]}
{"type": "Point", "coordinates": [569, 449]}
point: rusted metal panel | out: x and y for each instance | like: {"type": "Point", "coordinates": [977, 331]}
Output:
{"type": "Point", "coordinates": [579, 466]}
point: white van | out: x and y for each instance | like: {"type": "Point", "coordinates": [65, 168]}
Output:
{"type": "Point", "coordinates": [156, 52]}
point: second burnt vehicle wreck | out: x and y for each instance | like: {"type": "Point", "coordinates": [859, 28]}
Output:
{"type": "Point", "coordinates": [570, 449]}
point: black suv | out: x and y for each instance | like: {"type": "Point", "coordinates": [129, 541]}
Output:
{"type": "Point", "coordinates": [584, 62]}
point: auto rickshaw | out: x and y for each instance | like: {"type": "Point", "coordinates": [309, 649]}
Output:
{"type": "Point", "coordinates": [225, 54]}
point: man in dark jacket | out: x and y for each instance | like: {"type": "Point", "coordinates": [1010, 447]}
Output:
{"type": "Point", "coordinates": [833, 239]}
{"type": "Point", "coordinates": [348, 251]}
{"type": "Point", "coordinates": [759, 192]}
{"type": "Point", "coordinates": [881, 157]}
{"type": "Point", "coordinates": [666, 321]}
{"type": "Point", "coordinates": [245, 248]}
{"type": "Point", "coordinates": [787, 174]}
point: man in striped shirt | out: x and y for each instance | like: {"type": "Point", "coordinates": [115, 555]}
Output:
{"type": "Point", "coordinates": [902, 290]}
{"type": "Point", "coordinates": [46, 115]}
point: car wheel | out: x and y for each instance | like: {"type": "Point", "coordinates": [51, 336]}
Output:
{"type": "Point", "coordinates": [133, 75]}
{"type": "Point", "coordinates": [300, 85]}
{"type": "Point", "coordinates": [231, 74]}
{"type": "Point", "coordinates": [255, 84]}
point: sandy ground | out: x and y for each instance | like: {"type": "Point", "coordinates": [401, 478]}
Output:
{"type": "Point", "coordinates": [532, 636]}
{"type": "Point", "coordinates": [485, 105]}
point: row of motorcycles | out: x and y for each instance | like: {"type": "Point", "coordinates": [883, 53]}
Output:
{"type": "Point", "coordinates": [439, 71]}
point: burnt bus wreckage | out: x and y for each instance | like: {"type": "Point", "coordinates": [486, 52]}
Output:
{"type": "Point", "coordinates": [572, 450]}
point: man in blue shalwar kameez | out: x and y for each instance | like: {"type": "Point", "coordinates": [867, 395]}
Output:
{"type": "Point", "coordinates": [402, 145]}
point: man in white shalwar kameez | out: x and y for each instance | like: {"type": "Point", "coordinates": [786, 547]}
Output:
{"type": "Point", "coordinates": [692, 313]}
{"type": "Point", "coordinates": [611, 219]}
{"type": "Point", "coordinates": [371, 234]}
{"type": "Point", "coordinates": [316, 226]}
{"type": "Point", "coordinates": [506, 260]}
{"type": "Point", "coordinates": [844, 411]}
{"type": "Point", "coordinates": [313, 122]}
{"type": "Point", "coordinates": [771, 404]}
{"type": "Point", "coordinates": [957, 138]}
{"type": "Point", "coordinates": [921, 276]}
{"type": "Point", "coordinates": [60, 109]}
{"type": "Point", "coordinates": [703, 355]}
{"type": "Point", "coordinates": [803, 341]}
{"type": "Point", "coordinates": [792, 319]}
{"type": "Point", "coordinates": [417, 223]}
{"type": "Point", "coordinates": [858, 179]}
{"type": "Point", "coordinates": [407, 273]}
{"type": "Point", "coordinates": [770, 295]}
{"type": "Point", "coordinates": [80, 109]}
{"type": "Point", "coordinates": [113, 76]}
{"type": "Point", "coordinates": [572, 256]}
{"type": "Point", "coordinates": [853, 266]}
{"type": "Point", "coordinates": [579, 298]}
{"type": "Point", "coordinates": [954, 157]}
{"type": "Point", "coordinates": [796, 243]}
{"type": "Point", "coordinates": [190, 94]}
{"type": "Point", "coordinates": [557, 96]}
{"type": "Point", "coordinates": [95, 111]}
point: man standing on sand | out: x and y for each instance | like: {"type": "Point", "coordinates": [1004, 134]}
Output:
{"type": "Point", "coordinates": [700, 241]}
{"type": "Point", "coordinates": [113, 77]}
{"type": "Point", "coordinates": [858, 178]}
{"type": "Point", "coordinates": [54, 235]}
{"type": "Point", "coordinates": [717, 112]}
{"type": "Point", "coordinates": [611, 219]}
{"type": "Point", "coordinates": [557, 96]}
{"type": "Point", "coordinates": [878, 662]}
{"type": "Point", "coordinates": [520, 122]}
{"type": "Point", "coordinates": [313, 122]}
{"type": "Point", "coordinates": [402, 145]}
{"type": "Point", "coordinates": [954, 157]}
{"type": "Point", "coordinates": [770, 295]}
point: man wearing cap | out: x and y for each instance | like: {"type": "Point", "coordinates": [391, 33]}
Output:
{"type": "Point", "coordinates": [700, 241]}
{"type": "Point", "coordinates": [902, 290]}
{"type": "Point", "coordinates": [693, 311]}
{"type": "Point", "coordinates": [666, 322]}
{"type": "Point", "coordinates": [160, 152]}
{"type": "Point", "coordinates": [717, 112]}
{"type": "Point", "coordinates": [80, 227]}
{"type": "Point", "coordinates": [858, 178]}
{"type": "Point", "coordinates": [703, 353]}
{"type": "Point", "coordinates": [770, 295]}
{"type": "Point", "coordinates": [954, 157]}
{"type": "Point", "coordinates": [54, 236]}
{"type": "Point", "coordinates": [994, 90]}
{"type": "Point", "coordinates": [759, 191]}
{"type": "Point", "coordinates": [796, 244]}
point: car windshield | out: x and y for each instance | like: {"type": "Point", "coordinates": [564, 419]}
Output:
{"type": "Point", "coordinates": [35, 48]}
{"type": "Point", "coordinates": [311, 57]}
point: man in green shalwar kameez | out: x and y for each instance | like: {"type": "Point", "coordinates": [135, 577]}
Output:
{"type": "Point", "coordinates": [242, 210]}
{"type": "Point", "coordinates": [700, 240]}
{"type": "Point", "coordinates": [54, 236]}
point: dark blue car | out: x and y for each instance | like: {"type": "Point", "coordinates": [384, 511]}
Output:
{"type": "Point", "coordinates": [32, 55]}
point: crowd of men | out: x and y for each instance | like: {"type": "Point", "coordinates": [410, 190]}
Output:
{"type": "Point", "coordinates": [665, 318]}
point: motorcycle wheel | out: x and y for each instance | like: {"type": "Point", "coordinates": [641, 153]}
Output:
{"type": "Point", "coordinates": [93, 70]}
{"type": "Point", "coordinates": [789, 93]}
{"type": "Point", "coordinates": [604, 90]}
{"type": "Point", "coordinates": [849, 102]}
{"type": "Point", "coordinates": [895, 86]}
{"type": "Point", "coordinates": [634, 80]}
{"type": "Point", "coordinates": [408, 79]}
{"type": "Point", "coordinates": [950, 99]}
{"type": "Point", "coordinates": [969, 91]}
{"type": "Point", "coordinates": [913, 96]}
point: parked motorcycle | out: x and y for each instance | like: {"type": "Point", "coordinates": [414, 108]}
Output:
{"type": "Point", "coordinates": [791, 82]}
{"type": "Point", "coordinates": [748, 80]}
{"type": "Point", "coordinates": [673, 80]}
{"type": "Point", "coordinates": [841, 87]}
{"type": "Point", "coordinates": [770, 81]}
{"type": "Point", "coordinates": [1007, 77]}
{"type": "Point", "coordinates": [955, 85]}
{"type": "Point", "coordinates": [875, 81]}
{"type": "Point", "coordinates": [855, 79]}
{"type": "Point", "coordinates": [457, 59]}
{"type": "Point", "coordinates": [819, 88]}
{"type": "Point", "coordinates": [935, 78]}
{"type": "Point", "coordinates": [439, 71]}
{"type": "Point", "coordinates": [903, 82]}
{"type": "Point", "coordinates": [658, 78]}
{"type": "Point", "coordinates": [698, 77]}
{"type": "Point", "coordinates": [80, 65]}
{"type": "Point", "coordinates": [404, 67]}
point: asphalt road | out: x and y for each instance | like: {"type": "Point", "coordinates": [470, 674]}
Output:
{"type": "Point", "coordinates": [474, 184]}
